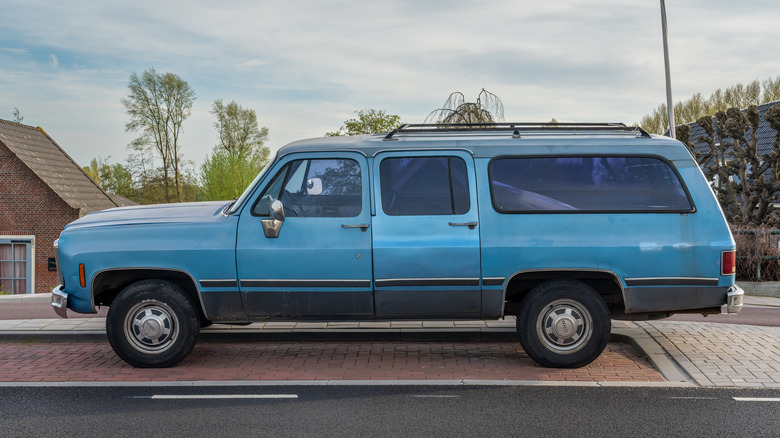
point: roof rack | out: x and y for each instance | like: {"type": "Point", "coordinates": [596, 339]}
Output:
{"type": "Point", "coordinates": [516, 128]}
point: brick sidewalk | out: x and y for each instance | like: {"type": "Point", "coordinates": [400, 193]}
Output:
{"type": "Point", "coordinates": [95, 362]}
{"type": "Point", "coordinates": [721, 354]}
{"type": "Point", "coordinates": [707, 353]}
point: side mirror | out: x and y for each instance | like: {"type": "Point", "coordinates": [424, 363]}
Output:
{"type": "Point", "coordinates": [313, 186]}
{"type": "Point", "coordinates": [276, 209]}
{"type": "Point", "coordinates": [273, 225]}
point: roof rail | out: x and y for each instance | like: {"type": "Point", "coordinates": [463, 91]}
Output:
{"type": "Point", "coordinates": [515, 128]}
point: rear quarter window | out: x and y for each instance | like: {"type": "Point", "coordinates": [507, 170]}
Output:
{"type": "Point", "coordinates": [587, 184]}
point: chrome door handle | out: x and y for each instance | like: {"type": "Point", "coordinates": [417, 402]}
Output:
{"type": "Point", "coordinates": [471, 225]}
{"type": "Point", "coordinates": [363, 227]}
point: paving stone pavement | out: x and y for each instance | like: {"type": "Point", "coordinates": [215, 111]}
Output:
{"type": "Point", "coordinates": [704, 353]}
{"type": "Point", "coordinates": [327, 361]}
{"type": "Point", "coordinates": [721, 354]}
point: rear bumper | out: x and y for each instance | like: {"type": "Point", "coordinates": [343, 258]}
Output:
{"type": "Point", "coordinates": [734, 299]}
{"type": "Point", "coordinates": [677, 298]}
{"type": "Point", "coordinates": [59, 301]}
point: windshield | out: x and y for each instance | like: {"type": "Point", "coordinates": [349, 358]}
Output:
{"type": "Point", "coordinates": [237, 204]}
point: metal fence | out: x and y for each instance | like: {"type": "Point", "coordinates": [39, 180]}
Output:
{"type": "Point", "coordinates": [754, 252]}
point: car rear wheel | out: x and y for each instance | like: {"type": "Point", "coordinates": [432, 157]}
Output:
{"type": "Point", "coordinates": [563, 324]}
{"type": "Point", "coordinates": [152, 324]}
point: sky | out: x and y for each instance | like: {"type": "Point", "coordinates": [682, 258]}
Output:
{"type": "Point", "coordinates": [306, 66]}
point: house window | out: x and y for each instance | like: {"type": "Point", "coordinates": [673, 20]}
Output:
{"type": "Point", "coordinates": [17, 265]}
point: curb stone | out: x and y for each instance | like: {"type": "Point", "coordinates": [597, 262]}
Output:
{"type": "Point", "coordinates": [645, 345]}
{"type": "Point", "coordinates": [619, 334]}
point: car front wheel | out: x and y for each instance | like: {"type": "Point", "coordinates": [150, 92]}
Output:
{"type": "Point", "coordinates": [563, 324]}
{"type": "Point", "coordinates": [152, 324]}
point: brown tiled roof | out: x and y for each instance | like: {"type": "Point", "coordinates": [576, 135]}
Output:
{"type": "Point", "coordinates": [52, 165]}
{"type": "Point", "coordinates": [121, 201]}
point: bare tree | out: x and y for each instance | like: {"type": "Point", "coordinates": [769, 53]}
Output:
{"type": "Point", "coordinates": [17, 116]}
{"type": "Point", "coordinates": [158, 104]}
{"type": "Point", "coordinates": [488, 108]}
{"type": "Point", "coordinates": [746, 181]}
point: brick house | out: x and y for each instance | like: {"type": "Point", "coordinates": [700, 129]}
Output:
{"type": "Point", "coordinates": [41, 190]}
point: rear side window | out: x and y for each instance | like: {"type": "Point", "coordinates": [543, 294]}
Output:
{"type": "Point", "coordinates": [424, 186]}
{"type": "Point", "coordinates": [586, 184]}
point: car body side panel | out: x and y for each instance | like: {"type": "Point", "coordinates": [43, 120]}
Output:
{"type": "Point", "coordinates": [632, 245]}
{"type": "Point", "coordinates": [202, 246]}
{"type": "Point", "coordinates": [663, 261]}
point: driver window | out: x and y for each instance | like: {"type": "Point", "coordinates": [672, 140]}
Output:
{"type": "Point", "coordinates": [316, 188]}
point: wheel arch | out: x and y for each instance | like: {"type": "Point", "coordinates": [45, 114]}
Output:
{"type": "Point", "coordinates": [108, 283]}
{"type": "Point", "coordinates": [607, 283]}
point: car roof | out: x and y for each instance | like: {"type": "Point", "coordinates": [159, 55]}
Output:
{"type": "Point", "coordinates": [488, 143]}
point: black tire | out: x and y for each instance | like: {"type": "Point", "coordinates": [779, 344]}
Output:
{"type": "Point", "coordinates": [563, 324]}
{"type": "Point", "coordinates": [152, 324]}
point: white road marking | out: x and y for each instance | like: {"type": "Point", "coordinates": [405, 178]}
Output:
{"type": "Point", "coordinates": [757, 399]}
{"type": "Point", "coordinates": [436, 396]}
{"type": "Point", "coordinates": [221, 396]}
{"type": "Point", "coordinates": [693, 398]}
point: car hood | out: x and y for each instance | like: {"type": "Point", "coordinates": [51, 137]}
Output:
{"type": "Point", "coordinates": [188, 212]}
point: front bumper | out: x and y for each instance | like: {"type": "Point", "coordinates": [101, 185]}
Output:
{"type": "Point", "coordinates": [59, 301]}
{"type": "Point", "coordinates": [734, 299]}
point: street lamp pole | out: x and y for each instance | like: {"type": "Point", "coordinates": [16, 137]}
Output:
{"type": "Point", "coordinates": [669, 104]}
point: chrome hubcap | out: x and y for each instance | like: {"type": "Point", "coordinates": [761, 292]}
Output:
{"type": "Point", "coordinates": [151, 327]}
{"type": "Point", "coordinates": [565, 326]}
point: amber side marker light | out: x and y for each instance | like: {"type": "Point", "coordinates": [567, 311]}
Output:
{"type": "Point", "coordinates": [728, 262]}
{"type": "Point", "coordinates": [82, 276]}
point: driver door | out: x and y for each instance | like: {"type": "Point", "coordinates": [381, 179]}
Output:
{"type": "Point", "coordinates": [319, 266]}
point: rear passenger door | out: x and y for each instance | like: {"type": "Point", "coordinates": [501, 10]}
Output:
{"type": "Point", "coordinates": [426, 235]}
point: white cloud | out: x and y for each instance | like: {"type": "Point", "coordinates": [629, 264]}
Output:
{"type": "Point", "coordinates": [252, 64]}
{"type": "Point", "coordinates": [54, 61]}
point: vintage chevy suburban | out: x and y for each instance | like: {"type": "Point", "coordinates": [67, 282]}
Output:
{"type": "Point", "coordinates": [562, 225]}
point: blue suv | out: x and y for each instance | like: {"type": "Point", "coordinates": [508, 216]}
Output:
{"type": "Point", "coordinates": [564, 226]}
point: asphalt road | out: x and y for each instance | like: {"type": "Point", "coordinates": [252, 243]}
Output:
{"type": "Point", "coordinates": [392, 411]}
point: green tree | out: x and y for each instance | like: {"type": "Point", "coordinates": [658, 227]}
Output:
{"type": "Point", "coordinates": [148, 185]}
{"type": "Point", "coordinates": [239, 155]}
{"type": "Point", "coordinates": [238, 129]}
{"type": "Point", "coordinates": [368, 121]}
{"type": "Point", "coordinates": [224, 175]}
{"type": "Point", "coordinates": [114, 178]}
{"type": "Point", "coordinates": [93, 169]}
{"type": "Point", "coordinates": [695, 107]}
{"type": "Point", "coordinates": [488, 108]}
{"type": "Point", "coordinates": [771, 88]}
{"type": "Point", "coordinates": [157, 105]}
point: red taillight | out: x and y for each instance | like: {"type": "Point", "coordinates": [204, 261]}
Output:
{"type": "Point", "coordinates": [728, 262]}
